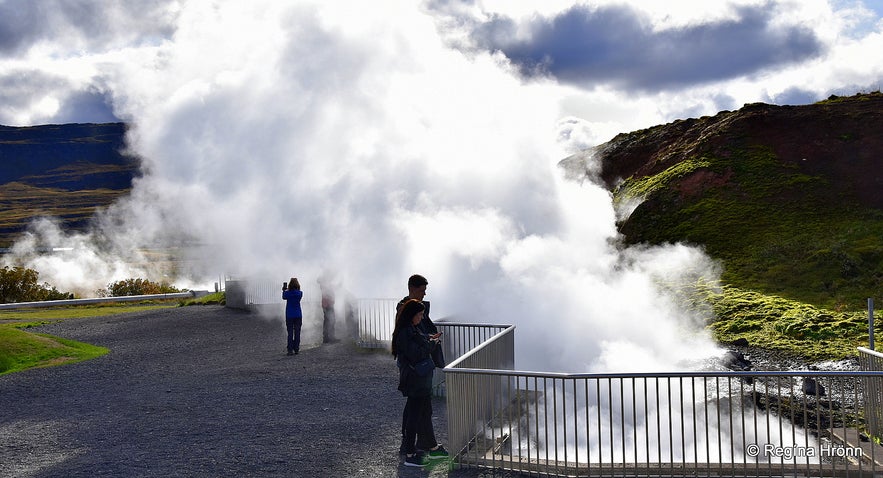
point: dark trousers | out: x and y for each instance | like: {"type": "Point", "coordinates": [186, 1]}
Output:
{"type": "Point", "coordinates": [292, 325]}
{"type": "Point", "coordinates": [328, 325]}
{"type": "Point", "coordinates": [417, 433]}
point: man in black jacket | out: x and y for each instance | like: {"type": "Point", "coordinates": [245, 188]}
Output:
{"type": "Point", "coordinates": [417, 290]}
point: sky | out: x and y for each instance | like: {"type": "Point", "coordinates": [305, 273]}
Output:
{"type": "Point", "coordinates": [372, 140]}
{"type": "Point", "coordinates": [620, 65]}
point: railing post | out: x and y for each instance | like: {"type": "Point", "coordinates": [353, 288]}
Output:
{"type": "Point", "coordinates": [871, 323]}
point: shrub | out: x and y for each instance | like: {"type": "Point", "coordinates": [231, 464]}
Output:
{"type": "Point", "coordinates": [19, 284]}
{"type": "Point", "coordinates": [138, 286]}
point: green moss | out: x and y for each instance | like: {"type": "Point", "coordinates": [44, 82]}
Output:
{"type": "Point", "coordinates": [643, 187]}
{"type": "Point", "coordinates": [787, 325]}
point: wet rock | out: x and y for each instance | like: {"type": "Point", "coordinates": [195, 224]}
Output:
{"type": "Point", "coordinates": [811, 387]}
{"type": "Point", "coordinates": [735, 360]}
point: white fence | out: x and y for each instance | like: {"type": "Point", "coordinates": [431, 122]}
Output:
{"type": "Point", "coordinates": [675, 424]}
{"type": "Point", "coordinates": [376, 322]}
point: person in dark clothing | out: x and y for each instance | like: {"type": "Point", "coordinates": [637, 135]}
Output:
{"type": "Point", "coordinates": [410, 347]}
{"type": "Point", "coordinates": [327, 311]}
{"type": "Point", "coordinates": [417, 291]}
{"type": "Point", "coordinates": [292, 295]}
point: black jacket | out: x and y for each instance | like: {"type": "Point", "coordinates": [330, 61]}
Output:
{"type": "Point", "coordinates": [412, 346]}
{"type": "Point", "coordinates": [427, 327]}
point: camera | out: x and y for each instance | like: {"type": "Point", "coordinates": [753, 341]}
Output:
{"type": "Point", "coordinates": [285, 286]}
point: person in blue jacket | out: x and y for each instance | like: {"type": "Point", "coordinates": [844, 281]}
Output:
{"type": "Point", "coordinates": [410, 347]}
{"type": "Point", "coordinates": [293, 315]}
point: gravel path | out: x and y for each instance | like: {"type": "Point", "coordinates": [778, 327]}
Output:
{"type": "Point", "coordinates": [205, 391]}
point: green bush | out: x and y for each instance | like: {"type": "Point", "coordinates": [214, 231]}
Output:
{"type": "Point", "coordinates": [132, 286]}
{"type": "Point", "coordinates": [19, 284]}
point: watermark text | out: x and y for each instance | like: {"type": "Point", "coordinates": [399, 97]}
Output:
{"type": "Point", "coordinates": [824, 450]}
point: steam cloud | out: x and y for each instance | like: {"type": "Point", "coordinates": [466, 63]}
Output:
{"type": "Point", "coordinates": [296, 140]}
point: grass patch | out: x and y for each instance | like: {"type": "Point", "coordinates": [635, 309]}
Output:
{"type": "Point", "coordinates": [76, 312]}
{"type": "Point", "coordinates": [218, 298]}
{"type": "Point", "coordinates": [790, 326]}
{"type": "Point", "coordinates": [20, 350]}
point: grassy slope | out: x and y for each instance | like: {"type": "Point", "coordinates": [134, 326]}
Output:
{"type": "Point", "coordinates": [800, 257]}
{"type": "Point", "coordinates": [22, 350]}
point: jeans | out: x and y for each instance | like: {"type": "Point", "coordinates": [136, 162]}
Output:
{"type": "Point", "coordinates": [292, 325]}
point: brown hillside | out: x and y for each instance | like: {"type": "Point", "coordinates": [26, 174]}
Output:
{"type": "Point", "coordinates": [840, 139]}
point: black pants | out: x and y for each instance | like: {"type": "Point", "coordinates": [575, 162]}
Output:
{"type": "Point", "coordinates": [328, 325]}
{"type": "Point", "coordinates": [292, 326]}
{"type": "Point", "coordinates": [417, 433]}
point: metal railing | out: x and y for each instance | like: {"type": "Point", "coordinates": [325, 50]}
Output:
{"type": "Point", "coordinates": [471, 397]}
{"type": "Point", "coordinates": [870, 360]}
{"type": "Point", "coordinates": [673, 424]}
{"type": "Point", "coordinates": [680, 424]}
{"type": "Point", "coordinates": [376, 322]}
{"type": "Point", "coordinates": [376, 319]}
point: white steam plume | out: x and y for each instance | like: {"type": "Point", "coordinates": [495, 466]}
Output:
{"type": "Point", "coordinates": [348, 137]}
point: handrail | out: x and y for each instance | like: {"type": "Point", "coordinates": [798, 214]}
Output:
{"type": "Point", "coordinates": [702, 374]}
{"type": "Point", "coordinates": [479, 348]}
{"type": "Point", "coordinates": [871, 352]}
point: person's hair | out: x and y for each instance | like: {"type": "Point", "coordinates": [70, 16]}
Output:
{"type": "Point", "coordinates": [417, 280]}
{"type": "Point", "coordinates": [404, 316]}
{"type": "Point", "coordinates": [294, 284]}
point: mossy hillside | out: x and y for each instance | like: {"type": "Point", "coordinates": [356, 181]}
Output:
{"type": "Point", "coordinates": [776, 230]}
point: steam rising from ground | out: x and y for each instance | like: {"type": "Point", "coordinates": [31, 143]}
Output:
{"type": "Point", "coordinates": [295, 140]}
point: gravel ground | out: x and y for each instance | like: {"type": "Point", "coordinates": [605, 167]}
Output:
{"type": "Point", "coordinates": [206, 391]}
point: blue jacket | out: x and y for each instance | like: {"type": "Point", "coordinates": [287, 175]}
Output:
{"type": "Point", "coordinates": [292, 303]}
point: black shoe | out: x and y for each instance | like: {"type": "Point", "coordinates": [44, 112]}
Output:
{"type": "Point", "coordinates": [437, 453]}
{"type": "Point", "coordinates": [415, 460]}
{"type": "Point", "coordinates": [290, 353]}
